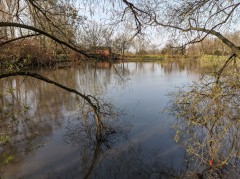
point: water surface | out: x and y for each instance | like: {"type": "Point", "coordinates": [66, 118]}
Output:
{"type": "Point", "coordinates": [52, 135]}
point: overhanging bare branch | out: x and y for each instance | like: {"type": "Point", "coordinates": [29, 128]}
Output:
{"type": "Point", "coordinates": [40, 77]}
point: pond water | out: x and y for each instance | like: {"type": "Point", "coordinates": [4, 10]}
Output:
{"type": "Point", "coordinates": [50, 133]}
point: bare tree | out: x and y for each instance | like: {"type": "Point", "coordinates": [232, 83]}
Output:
{"type": "Point", "coordinates": [195, 19]}
{"type": "Point", "coordinates": [94, 34]}
{"type": "Point", "coordinates": [122, 42]}
{"type": "Point", "coordinates": [55, 20]}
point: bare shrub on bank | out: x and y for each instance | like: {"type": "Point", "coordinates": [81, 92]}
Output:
{"type": "Point", "coordinates": [208, 124]}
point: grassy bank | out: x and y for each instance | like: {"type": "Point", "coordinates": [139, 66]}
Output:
{"type": "Point", "coordinates": [143, 57]}
{"type": "Point", "coordinates": [160, 57]}
{"type": "Point", "coordinates": [214, 61]}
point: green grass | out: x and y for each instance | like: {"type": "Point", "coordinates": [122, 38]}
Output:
{"type": "Point", "coordinates": [212, 60]}
{"type": "Point", "coordinates": [143, 57]}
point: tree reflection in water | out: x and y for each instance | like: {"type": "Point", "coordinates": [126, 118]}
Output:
{"type": "Point", "coordinates": [208, 125]}
{"type": "Point", "coordinates": [94, 138]}
{"type": "Point", "coordinates": [105, 154]}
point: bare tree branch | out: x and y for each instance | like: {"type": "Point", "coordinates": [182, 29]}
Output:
{"type": "Point", "coordinates": [19, 38]}
{"type": "Point", "coordinates": [12, 24]}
